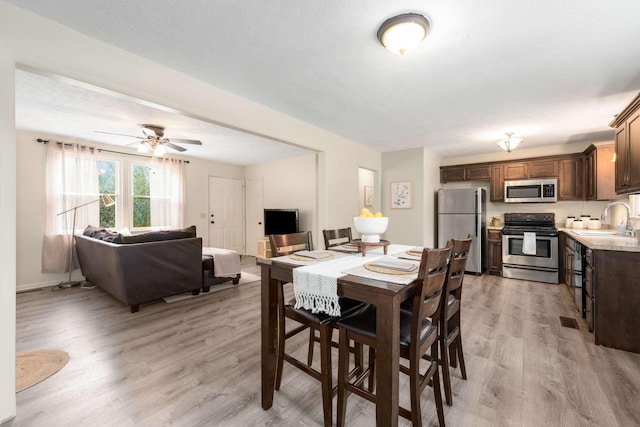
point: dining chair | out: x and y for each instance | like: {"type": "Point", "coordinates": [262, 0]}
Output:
{"type": "Point", "coordinates": [336, 237]}
{"type": "Point", "coordinates": [323, 324]}
{"type": "Point", "coordinates": [450, 335]}
{"type": "Point", "coordinates": [418, 341]}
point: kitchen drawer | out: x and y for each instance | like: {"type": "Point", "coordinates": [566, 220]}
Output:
{"type": "Point", "coordinates": [589, 313]}
{"type": "Point", "coordinates": [588, 256]}
{"type": "Point", "coordinates": [588, 281]}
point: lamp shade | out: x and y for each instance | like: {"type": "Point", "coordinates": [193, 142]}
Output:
{"type": "Point", "coordinates": [403, 33]}
{"type": "Point", "coordinates": [107, 200]}
{"type": "Point", "coordinates": [510, 143]}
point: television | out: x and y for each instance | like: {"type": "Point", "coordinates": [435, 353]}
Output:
{"type": "Point", "coordinates": [280, 221]}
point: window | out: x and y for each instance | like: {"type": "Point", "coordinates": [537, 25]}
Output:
{"type": "Point", "coordinates": [141, 195]}
{"type": "Point", "coordinates": [108, 184]}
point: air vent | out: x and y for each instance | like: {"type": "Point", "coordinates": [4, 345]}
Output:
{"type": "Point", "coordinates": [568, 322]}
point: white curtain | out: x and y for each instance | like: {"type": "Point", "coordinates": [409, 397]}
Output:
{"type": "Point", "coordinates": [166, 187]}
{"type": "Point", "coordinates": [72, 180]}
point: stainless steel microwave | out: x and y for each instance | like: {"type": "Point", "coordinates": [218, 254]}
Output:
{"type": "Point", "coordinates": [531, 191]}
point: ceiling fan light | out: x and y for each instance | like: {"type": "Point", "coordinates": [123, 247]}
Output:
{"type": "Point", "coordinates": [143, 147]}
{"type": "Point", "coordinates": [159, 150]}
{"type": "Point", "coordinates": [403, 33]}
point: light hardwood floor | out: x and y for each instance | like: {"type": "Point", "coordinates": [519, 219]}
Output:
{"type": "Point", "coordinates": [196, 362]}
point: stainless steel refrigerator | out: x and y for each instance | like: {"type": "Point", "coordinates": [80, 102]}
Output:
{"type": "Point", "coordinates": [462, 212]}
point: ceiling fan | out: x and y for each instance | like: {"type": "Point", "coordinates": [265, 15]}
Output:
{"type": "Point", "coordinates": [154, 140]}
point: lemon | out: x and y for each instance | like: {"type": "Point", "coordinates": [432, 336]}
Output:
{"type": "Point", "coordinates": [364, 211]}
{"type": "Point", "coordinates": [369, 215]}
{"type": "Point", "coordinates": [378, 215]}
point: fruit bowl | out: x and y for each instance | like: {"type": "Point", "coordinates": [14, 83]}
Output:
{"type": "Point", "coordinates": [370, 228]}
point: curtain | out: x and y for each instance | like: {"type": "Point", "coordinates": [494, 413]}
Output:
{"type": "Point", "coordinates": [71, 180]}
{"type": "Point", "coordinates": [166, 188]}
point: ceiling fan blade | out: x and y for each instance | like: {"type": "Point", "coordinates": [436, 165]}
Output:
{"type": "Point", "coordinates": [175, 147]}
{"type": "Point", "coordinates": [119, 134]}
{"type": "Point", "coordinates": [186, 141]}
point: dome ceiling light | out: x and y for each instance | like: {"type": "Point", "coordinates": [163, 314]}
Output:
{"type": "Point", "coordinates": [403, 33]}
{"type": "Point", "coordinates": [510, 143]}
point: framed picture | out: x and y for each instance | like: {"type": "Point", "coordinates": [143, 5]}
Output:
{"type": "Point", "coordinates": [401, 195]}
{"type": "Point", "coordinates": [368, 196]}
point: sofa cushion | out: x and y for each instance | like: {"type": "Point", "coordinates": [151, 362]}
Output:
{"type": "Point", "coordinates": [155, 236]}
{"type": "Point", "coordinates": [100, 233]}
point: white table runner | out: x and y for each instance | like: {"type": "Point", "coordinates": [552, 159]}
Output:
{"type": "Point", "coordinates": [316, 284]}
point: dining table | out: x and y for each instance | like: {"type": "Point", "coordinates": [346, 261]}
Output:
{"type": "Point", "coordinates": [387, 296]}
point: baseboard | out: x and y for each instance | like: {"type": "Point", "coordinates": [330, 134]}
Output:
{"type": "Point", "coordinates": [34, 286]}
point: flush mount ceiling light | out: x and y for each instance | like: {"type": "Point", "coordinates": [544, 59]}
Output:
{"type": "Point", "coordinates": [510, 143]}
{"type": "Point", "coordinates": [403, 33]}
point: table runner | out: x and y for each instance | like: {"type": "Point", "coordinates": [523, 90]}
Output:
{"type": "Point", "coordinates": [316, 286]}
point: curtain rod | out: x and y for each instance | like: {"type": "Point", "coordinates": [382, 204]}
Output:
{"type": "Point", "coordinates": [46, 141]}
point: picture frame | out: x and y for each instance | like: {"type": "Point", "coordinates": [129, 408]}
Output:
{"type": "Point", "coordinates": [368, 196]}
{"type": "Point", "coordinates": [401, 196]}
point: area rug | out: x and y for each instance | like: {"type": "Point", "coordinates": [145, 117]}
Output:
{"type": "Point", "coordinates": [244, 279]}
{"type": "Point", "coordinates": [37, 365]}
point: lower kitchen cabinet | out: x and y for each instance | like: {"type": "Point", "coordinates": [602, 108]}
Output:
{"type": "Point", "coordinates": [613, 295]}
{"type": "Point", "coordinates": [494, 252]}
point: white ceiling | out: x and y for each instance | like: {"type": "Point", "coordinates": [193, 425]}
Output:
{"type": "Point", "coordinates": [73, 110]}
{"type": "Point", "coordinates": [551, 71]}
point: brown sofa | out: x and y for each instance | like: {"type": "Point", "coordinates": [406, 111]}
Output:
{"type": "Point", "coordinates": [142, 268]}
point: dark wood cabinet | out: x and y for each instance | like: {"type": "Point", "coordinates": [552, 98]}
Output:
{"type": "Point", "coordinates": [480, 172]}
{"type": "Point", "coordinates": [451, 174]}
{"type": "Point", "coordinates": [516, 170]}
{"type": "Point", "coordinates": [570, 180]}
{"type": "Point", "coordinates": [543, 169]}
{"type": "Point", "coordinates": [599, 171]}
{"type": "Point", "coordinates": [497, 184]}
{"type": "Point", "coordinates": [627, 146]}
{"type": "Point", "coordinates": [589, 289]}
{"type": "Point", "coordinates": [494, 252]}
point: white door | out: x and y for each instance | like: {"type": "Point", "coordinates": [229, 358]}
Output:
{"type": "Point", "coordinates": [226, 213]}
{"type": "Point", "coordinates": [255, 214]}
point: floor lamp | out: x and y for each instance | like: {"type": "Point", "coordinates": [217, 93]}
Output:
{"type": "Point", "coordinates": [108, 201]}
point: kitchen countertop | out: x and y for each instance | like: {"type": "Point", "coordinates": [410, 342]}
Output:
{"type": "Point", "coordinates": [604, 242]}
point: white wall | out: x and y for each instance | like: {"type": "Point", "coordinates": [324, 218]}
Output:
{"type": "Point", "coordinates": [291, 184]}
{"type": "Point", "coordinates": [7, 239]}
{"type": "Point", "coordinates": [406, 226]}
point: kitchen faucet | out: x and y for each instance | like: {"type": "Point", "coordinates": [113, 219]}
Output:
{"type": "Point", "coordinates": [629, 226]}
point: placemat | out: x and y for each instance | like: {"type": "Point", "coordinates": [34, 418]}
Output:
{"type": "Point", "coordinates": [384, 270]}
{"type": "Point", "coordinates": [304, 258]}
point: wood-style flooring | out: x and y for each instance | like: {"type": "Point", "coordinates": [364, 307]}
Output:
{"type": "Point", "coordinates": [196, 362]}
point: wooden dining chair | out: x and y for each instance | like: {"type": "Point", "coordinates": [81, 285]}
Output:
{"type": "Point", "coordinates": [323, 324]}
{"type": "Point", "coordinates": [450, 335]}
{"type": "Point", "coordinates": [336, 237]}
{"type": "Point", "coordinates": [418, 340]}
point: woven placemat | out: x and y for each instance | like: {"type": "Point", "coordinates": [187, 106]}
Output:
{"type": "Point", "coordinates": [388, 270]}
{"type": "Point", "coordinates": [304, 258]}
{"type": "Point", "coordinates": [413, 253]}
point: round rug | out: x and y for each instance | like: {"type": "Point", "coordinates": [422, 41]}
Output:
{"type": "Point", "coordinates": [35, 366]}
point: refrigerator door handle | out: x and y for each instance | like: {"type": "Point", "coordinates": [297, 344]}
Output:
{"type": "Point", "coordinates": [476, 227]}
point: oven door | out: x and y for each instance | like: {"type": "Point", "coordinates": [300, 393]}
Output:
{"type": "Point", "coordinates": [546, 251]}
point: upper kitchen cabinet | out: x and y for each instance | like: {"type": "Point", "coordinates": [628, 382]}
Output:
{"type": "Point", "coordinates": [479, 172]}
{"type": "Point", "coordinates": [600, 171]}
{"type": "Point", "coordinates": [627, 148]}
{"type": "Point", "coordinates": [570, 178]}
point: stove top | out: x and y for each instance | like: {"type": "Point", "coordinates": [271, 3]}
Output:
{"type": "Point", "coordinates": [530, 220]}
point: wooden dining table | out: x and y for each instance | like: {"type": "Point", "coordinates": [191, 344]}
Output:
{"type": "Point", "coordinates": [386, 296]}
